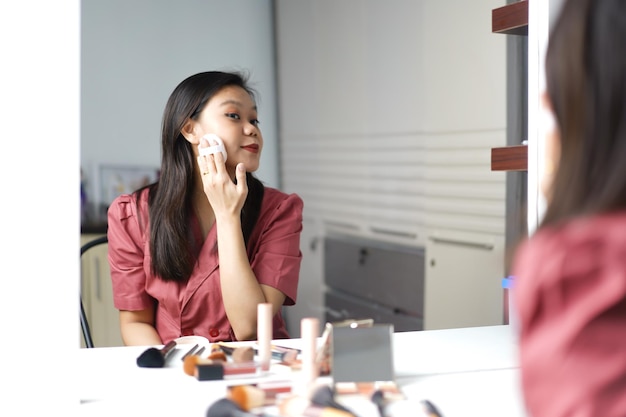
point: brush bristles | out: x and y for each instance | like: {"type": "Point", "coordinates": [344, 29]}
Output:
{"type": "Point", "coordinates": [290, 356]}
{"type": "Point", "coordinates": [324, 396]}
{"type": "Point", "coordinates": [243, 354]}
{"type": "Point", "coordinates": [225, 408]}
{"type": "Point", "coordinates": [297, 406]}
{"type": "Point", "coordinates": [189, 364]}
{"type": "Point", "coordinates": [293, 406]}
{"type": "Point", "coordinates": [247, 396]}
{"type": "Point", "coordinates": [151, 358]}
{"type": "Point", "coordinates": [218, 356]}
{"type": "Point", "coordinates": [191, 361]}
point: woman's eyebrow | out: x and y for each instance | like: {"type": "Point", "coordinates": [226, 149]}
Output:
{"type": "Point", "coordinates": [236, 103]}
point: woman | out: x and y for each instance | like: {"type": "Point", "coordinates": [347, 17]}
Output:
{"type": "Point", "coordinates": [197, 251]}
{"type": "Point", "coordinates": [571, 274]}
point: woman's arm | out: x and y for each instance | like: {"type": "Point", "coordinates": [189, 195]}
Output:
{"type": "Point", "coordinates": [137, 328]}
{"type": "Point", "coordinates": [241, 291]}
{"type": "Point", "coordinates": [126, 258]}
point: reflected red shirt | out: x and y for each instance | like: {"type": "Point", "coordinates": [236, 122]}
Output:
{"type": "Point", "coordinates": [195, 307]}
{"type": "Point", "coordinates": [570, 297]}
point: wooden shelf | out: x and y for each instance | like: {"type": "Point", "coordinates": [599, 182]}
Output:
{"type": "Point", "coordinates": [510, 158]}
{"type": "Point", "coordinates": [511, 19]}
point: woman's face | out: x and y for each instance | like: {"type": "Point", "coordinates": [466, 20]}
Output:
{"type": "Point", "coordinates": [552, 149]}
{"type": "Point", "coordinates": [231, 114]}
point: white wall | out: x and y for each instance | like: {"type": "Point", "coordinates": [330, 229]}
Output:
{"type": "Point", "coordinates": [39, 214]}
{"type": "Point", "coordinates": [134, 53]}
{"type": "Point", "coordinates": [389, 111]}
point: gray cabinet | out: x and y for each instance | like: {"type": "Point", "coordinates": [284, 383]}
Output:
{"type": "Point", "coordinates": [372, 279]}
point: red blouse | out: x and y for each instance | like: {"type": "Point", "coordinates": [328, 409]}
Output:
{"type": "Point", "coordinates": [570, 297]}
{"type": "Point", "coordinates": [195, 307]}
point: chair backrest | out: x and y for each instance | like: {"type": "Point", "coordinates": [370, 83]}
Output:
{"type": "Point", "coordinates": [84, 322]}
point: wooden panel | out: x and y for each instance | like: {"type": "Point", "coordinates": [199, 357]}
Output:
{"type": "Point", "coordinates": [509, 158]}
{"type": "Point", "coordinates": [511, 19]}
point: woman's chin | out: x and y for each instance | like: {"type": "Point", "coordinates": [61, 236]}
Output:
{"type": "Point", "coordinates": [248, 167]}
{"type": "Point", "coordinates": [251, 167]}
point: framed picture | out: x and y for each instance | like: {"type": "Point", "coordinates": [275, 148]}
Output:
{"type": "Point", "coordinates": [115, 180]}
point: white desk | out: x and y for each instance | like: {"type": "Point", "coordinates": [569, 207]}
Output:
{"type": "Point", "coordinates": [454, 350]}
{"type": "Point", "coordinates": [464, 372]}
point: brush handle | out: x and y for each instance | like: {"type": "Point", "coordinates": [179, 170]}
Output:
{"type": "Point", "coordinates": [264, 334]}
{"type": "Point", "coordinates": [226, 349]}
{"type": "Point", "coordinates": [168, 348]}
{"type": "Point", "coordinates": [309, 328]}
{"type": "Point", "coordinates": [189, 352]}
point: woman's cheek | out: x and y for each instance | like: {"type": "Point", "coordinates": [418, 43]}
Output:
{"type": "Point", "coordinates": [552, 147]}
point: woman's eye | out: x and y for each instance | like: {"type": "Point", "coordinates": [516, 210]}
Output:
{"type": "Point", "coordinates": [233, 115]}
{"type": "Point", "coordinates": [255, 122]}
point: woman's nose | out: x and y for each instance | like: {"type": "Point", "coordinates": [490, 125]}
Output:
{"type": "Point", "coordinates": [250, 129]}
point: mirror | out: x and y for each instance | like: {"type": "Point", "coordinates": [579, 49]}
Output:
{"type": "Point", "coordinates": [381, 115]}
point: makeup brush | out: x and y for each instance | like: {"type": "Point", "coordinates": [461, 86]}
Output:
{"type": "Point", "coordinates": [208, 369]}
{"type": "Point", "coordinates": [297, 406]}
{"type": "Point", "coordinates": [287, 356]}
{"type": "Point", "coordinates": [218, 356]}
{"type": "Point", "coordinates": [190, 352]}
{"type": "Point", "coordinates": [189, 364]}
{"type": "Point", "coordinates": [191, 361]}
{"type": "Point", "coordinates": [225, 407]}
{"type": "Point", "coordinates": [423, 408]}
{"type": "Point", "coordinates": [243, 354]}
{"type": "Point", "coordinates": [247, 397]}
{"type": "Point", "coordinates": [246, 353]}
{"type": "Point", "coordinates": [430, 409]}
{"type": "Point", "coordinates": [324, 396]}
{"type": "Point", "coordinates": [378, 398]}
{"type": "Point", "coordinates": [155, 358]}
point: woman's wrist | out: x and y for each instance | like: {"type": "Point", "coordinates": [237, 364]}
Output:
{"type": "Point", "coordinates": [230, 219]}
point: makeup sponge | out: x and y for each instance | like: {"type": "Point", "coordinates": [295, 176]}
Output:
{"type": "Point", "coordinates": [213, 148]}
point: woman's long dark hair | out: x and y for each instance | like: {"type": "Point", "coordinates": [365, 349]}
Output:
{"type": "Point", "coordinates": [170, 199]}
{"type": "Point", "coordinates": [586, 83]}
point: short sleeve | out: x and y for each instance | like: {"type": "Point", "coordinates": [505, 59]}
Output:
{"type": "Point", "coordinates": [277, 258]}
{"type": "Point", "coordinates": [126, 255]}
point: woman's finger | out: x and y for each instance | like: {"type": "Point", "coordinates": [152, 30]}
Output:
{"type": "Point", "coordinates": [240, 174]}
{"type": "Point", "coordinates": [217, 159]}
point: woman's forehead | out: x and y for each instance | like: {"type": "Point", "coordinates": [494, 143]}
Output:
{"type": "Point", "coordinates": [233, 95]}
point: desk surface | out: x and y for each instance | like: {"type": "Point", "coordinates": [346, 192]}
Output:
{"type": "Point", "coordinates": [454, 350]}
{"type": "Point", "coordinates": [470, 371]}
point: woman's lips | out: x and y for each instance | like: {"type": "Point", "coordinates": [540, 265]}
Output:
{"type": "Point", "coordinates": [251, 148]}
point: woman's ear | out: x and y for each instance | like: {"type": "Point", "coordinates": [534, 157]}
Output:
{"type": "Point", "coordinates": [188, 131]}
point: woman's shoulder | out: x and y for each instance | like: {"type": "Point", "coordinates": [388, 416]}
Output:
{"type": "Point", "coordinates": [273, 197]}
{"type": "Point", "coordinates": [129, 213]}
{"type": "Point", "coordinates": [606, 229]}
{"type": "Point", "coordinates": [127, 204]}
{"type": "Point", "coordinates": [577, 246]}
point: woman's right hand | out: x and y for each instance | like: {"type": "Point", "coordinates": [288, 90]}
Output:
{"type": "Point", "coordinates": [226, 193]}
